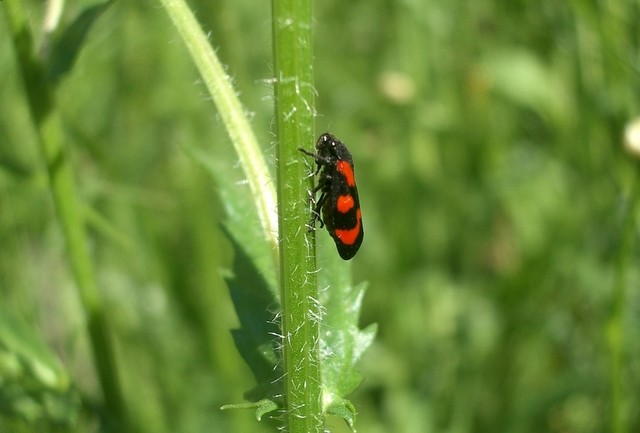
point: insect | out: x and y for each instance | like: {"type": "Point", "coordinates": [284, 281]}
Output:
{"type": "Point", "coordinates": [338, 200]}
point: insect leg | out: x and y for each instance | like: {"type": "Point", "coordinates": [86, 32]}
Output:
{"type": "Point", "coordinates": [316, 211]}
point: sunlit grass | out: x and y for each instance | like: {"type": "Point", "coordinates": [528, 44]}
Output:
{"type": "Point", "coordinates": [487, 140]}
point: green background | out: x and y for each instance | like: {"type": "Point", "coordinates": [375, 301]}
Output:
{"type": "Point", "coordinates": [487, 138]}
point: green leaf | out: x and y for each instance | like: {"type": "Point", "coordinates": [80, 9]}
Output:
{"type": "Point", "coordinates": [262, 407]}
{"type": "Point", "coordinates": [342, 342]}
{"type": "Point", "coordinates": [251, 279]}
{"type": "Point", "coordinates": [256, 339]}
{"type": "Point", "coordinates": [242, 220]}
{"type": "Point", "coordinates": [345, 410]}
{"type": "Point", "coordinates": [19, 341]}
{"type": "Point", "coordinates": [64, 49]}
{"type": "Point", "coordinates": [34, 386]}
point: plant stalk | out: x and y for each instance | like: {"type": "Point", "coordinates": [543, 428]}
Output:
{"type": "Point", "coordinates": [49, 131]}
{"type": "Point", "coordinates": [294, 111]}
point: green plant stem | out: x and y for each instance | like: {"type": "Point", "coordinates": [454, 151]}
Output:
{"type": "Point", "coordinates": [616, 334]}
{"type": "Point", "coordinates": [294, 120]}
{"type": "Point", "coordinates": [232, 114]}
{"type": "Point", "coordinates": [40, 97]}
{"type": "Point", "coordinates": [294, 111]}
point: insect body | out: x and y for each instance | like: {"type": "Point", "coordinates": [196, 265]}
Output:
{"type": "Point", "coordinates": [338, 200]}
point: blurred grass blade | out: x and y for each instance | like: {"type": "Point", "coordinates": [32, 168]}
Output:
{"type": "Point", "coordinates": [48, 124]}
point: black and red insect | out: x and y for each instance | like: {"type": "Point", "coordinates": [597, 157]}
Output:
{"type": "Point", "coordinates": [338, 200]}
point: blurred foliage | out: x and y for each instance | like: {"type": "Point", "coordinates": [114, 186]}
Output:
{"type": "Point", "coordinates": [487, 137]}
{"type": "Point", "coordinates": [34, 388]}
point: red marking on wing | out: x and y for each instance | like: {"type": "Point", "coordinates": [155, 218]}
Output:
{"type": "Point", "coordinates": [349, 236]}
{"type": "Point", "coordinates": [347, 171]}
{"type": "Point", "coordinates": [345, 203]}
